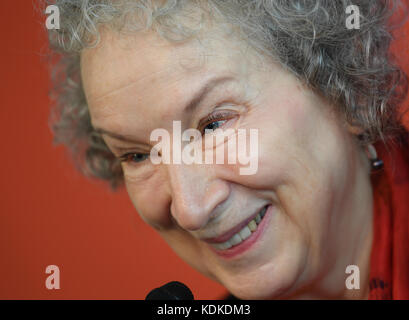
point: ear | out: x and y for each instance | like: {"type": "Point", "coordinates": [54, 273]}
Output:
{"type": "Point", "coordinates": [355, 130]}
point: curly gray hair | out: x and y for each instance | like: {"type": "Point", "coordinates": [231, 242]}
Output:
{"type": "Point", "coordinates": [352, 69]}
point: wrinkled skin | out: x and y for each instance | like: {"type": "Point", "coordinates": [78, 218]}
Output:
{"type": "Point", "coordinates": [310, 168]}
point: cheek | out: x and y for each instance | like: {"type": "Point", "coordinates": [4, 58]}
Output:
{"type": "Point", "coordinates": [299, 159]}
{"type": "Point", "coordinates": [284, 132]}
{"type": "Point", "coordinates": [145, 189]}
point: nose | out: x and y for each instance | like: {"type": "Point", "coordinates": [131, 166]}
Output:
{"type": "Point", "coordinates": [196, 194]}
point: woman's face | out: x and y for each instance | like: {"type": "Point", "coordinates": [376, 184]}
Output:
{"type": "Point", "coordinates": [307, 160]}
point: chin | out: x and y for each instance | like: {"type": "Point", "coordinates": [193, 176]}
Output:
{"type": "Point", "coordinates": [273, 281]}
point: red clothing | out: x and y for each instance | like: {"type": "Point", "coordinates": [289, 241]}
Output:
{"type": "Point", "coordinates": [389, 267]}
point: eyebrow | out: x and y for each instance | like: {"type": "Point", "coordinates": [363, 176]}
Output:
{"type": "Point", "coordinates": [190, 107]}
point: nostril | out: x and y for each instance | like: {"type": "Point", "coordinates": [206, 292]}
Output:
{"type": "Point", "coordinates": [188, 217]}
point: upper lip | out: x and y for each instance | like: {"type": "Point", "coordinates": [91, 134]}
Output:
{"type": "Point", "coordinates": [228, 234]}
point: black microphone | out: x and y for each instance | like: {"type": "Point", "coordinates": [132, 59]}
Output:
{"type": "Point", "coordinates": [174, 290]}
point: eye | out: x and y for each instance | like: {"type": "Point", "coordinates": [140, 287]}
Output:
{"type": "Point", "coordinates": [216, 121]}
{"type": "Point", "coordinates": [214, 125]}
{"type": "Point", "coordinates": [134, 157]}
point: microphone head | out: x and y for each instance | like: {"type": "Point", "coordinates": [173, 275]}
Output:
{"type": "Point", "coordinates": [174, 290]}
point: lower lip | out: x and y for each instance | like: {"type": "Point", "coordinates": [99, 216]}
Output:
{"type": "Point", "coordinates": [248, 243]}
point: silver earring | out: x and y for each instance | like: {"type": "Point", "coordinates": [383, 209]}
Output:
{"type": "Point", "coordinates": [376, 163]}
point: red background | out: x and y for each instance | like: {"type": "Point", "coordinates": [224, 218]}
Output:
{"type": "Point", "coordinates": [50, 214]}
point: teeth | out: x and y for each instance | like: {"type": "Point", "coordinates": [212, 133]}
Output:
{"type": "Point", "coordinates": [258, 218]}
{"type": "Point", "coordinates": [222, 246]}
{"type": "Point", "coordinates": [235, 239]}
{"type": "Point", "coordinates": [263, 212]}
{"type": "Point", "coordinates": [252, 226]}
{"type": "Point", "coordinates": [243, 234]}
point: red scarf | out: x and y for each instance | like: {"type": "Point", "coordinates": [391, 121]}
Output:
{"type": "Point", "coordinates": [389, 268]}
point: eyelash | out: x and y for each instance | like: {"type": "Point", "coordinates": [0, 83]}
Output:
{"type": "Point", "coordinates": [127, 156]}
{"type": "Point", "coordinates": [215, 117]}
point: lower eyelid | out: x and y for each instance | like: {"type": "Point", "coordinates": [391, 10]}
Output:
{"type": "Point", "coordinates": [126, 158]}
{"type": "Point", "coordinates": [125, 161]}
{"type": "Point", "coordinates": [226, 123]}
{"type": "Point", "coordinates": [131, 175]}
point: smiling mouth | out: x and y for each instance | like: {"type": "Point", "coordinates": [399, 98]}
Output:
{"type": "Point", "coordinates": [243, 234]}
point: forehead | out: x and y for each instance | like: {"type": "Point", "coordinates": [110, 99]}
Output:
{"type": "Point", "coordinates": [140, 72]}
{"type": "Point", "coordinates": [146, 71]}
{"type": "Point", "coordinates": [121, 60]}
